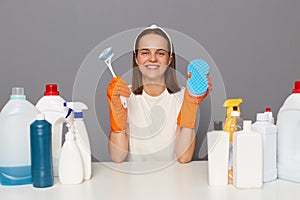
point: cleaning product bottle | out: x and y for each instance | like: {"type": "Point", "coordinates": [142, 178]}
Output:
{"type": "Point", "coordinates": [247, 158]}
{"type": "Point", "coordinates": [230, 103]}
{"type": "Point", "coordinates": [268, 132]}
{"type": "Point", "coordinates": [16, 117]}
{"type": "Point", "coordinates": [232, 125]}
{"type": "Point", "coordinates": [70, 168]}
{"type": "Point", "coordinates": [288, 124]}
{"type": "Point", "coordinates": [81, 134]}
{"type": "Point", "coordinates": [218, 148]}
{"type": "Point", "coordinates": [41, 152]}
{"type": "Point", "coordinates": [270, 114]}
{"type": "Point", "coordinates": [51, 105]}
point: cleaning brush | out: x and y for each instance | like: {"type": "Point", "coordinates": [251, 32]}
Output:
{"type": "Point", "coordinates": [106, 56]}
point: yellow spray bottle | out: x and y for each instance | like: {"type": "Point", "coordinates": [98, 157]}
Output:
{"type": "Point", "coordinates": [232, 124]}
{"type": "Point", "coordinates": [230, 103]}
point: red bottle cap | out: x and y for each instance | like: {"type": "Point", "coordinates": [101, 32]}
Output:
{"type": "Point", "coordinates": [51, 90]}
{"type": "Point", "coordinates": [297, 87]}
{"type": "Point", "coordinates": [268, 109]}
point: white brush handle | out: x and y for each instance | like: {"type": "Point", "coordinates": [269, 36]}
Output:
{"type": "Point", "coordinates": [123, 99]}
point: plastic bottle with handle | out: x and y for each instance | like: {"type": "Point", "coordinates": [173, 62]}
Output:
{"type": "Point", "coordinates": [288, 124]}
{"type": "Point", "coordinates": [51, 106]}
{"type": "Point", "coordinates": [15, 119]}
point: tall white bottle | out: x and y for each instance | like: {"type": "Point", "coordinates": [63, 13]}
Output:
{"type": "Point", "coordinates": [82, 138]}
{"type": "Point", "coordinates": [70, 168]}
{"type": "Point", "coordinates": [288, 124]}
{"type": "Point", "coordinates": [247, 158]}
{"type": "Point", "coordinates": [218, 148]}
{"type": "Point", "coordinates": [51, 105]}
{"type": "Point", "coordinates": [269, 135]}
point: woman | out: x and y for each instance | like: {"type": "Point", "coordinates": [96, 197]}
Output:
{"type": "Point", "coordinates": [159, 123]}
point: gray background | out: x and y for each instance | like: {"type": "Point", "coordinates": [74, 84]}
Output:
{"type": "Point", "coordinates": [255, 45]}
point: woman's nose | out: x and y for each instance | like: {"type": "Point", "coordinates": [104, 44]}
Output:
{"type": "Point", "coordinates": [153, 57]}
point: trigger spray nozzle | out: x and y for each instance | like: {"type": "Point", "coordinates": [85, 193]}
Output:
{"type": "Point", "coordinates": [232, 105]}
{"type": "Point", "coordinates": [77, 108]}
{"type": "Point", "coordinates": [70, 110]}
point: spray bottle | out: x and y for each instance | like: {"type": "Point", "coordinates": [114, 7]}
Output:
{"type": "Point", "coordinates": [232, 124]}
{"type": "Point", "coordinates": [230, 103]}
{"type": "Point", "coordinates": [51, 106]}
{"type": "Point", "coordinates": [81, 134]}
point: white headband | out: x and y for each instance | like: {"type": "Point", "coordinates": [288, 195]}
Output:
{"type": "Point", "coordinates": [156, 27]}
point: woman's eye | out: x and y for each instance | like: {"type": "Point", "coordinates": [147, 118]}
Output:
{"type": "Point", "coordinates": [144, 53]}
{"type": "Point", "coordinates": [161, 53]}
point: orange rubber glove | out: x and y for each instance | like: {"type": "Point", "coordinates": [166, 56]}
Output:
{"type": "Point", "coordinates": [118, 114]}
{"type": "Point", "coordinates": [187, 115]}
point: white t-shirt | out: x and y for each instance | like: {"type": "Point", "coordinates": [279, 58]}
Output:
{"type": "Point", "coordinates": [152, 126]}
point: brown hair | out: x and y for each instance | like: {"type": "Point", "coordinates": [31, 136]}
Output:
{"type": "Point", "coordinates": [170, 74]}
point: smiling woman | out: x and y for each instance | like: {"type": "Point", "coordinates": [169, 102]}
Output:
{"type": "Point", "coordinates": [159, 123]}
{"type": "Point", "coordinates": [154, 46]}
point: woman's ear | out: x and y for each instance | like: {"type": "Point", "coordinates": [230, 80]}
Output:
{"type": "Point", "coordinates": [135, 58]}
{"type": "Point", "coordinates": [170, 59]}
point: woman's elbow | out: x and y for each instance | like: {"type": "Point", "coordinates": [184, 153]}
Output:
{"type": "Point", "coordinates": [184, 159]}
{"type": "Point", "coordinates": [117, 159]}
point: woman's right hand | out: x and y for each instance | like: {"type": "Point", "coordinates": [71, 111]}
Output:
{"type": "Point", "coordinates": [118, 114]}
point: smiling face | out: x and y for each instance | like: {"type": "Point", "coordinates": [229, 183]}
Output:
{"type": "Point", "coordinates": [153, 58]}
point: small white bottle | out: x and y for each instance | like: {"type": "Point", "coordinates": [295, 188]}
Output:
{"type": "Point", "coordinates": [270, 114]}
{"type": "Point", "coordinates": [247, 158]}
{"type": "Point", "coordinates": [70, 168]}
{"type": "Point", "coordinates": [269, 135]}
{"type": "Point", "coordinates": [218, 148]}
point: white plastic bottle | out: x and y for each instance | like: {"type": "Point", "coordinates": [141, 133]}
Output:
{"type": "Point", "coordinates": [218, 148]}
{"type": "Point", "coordinates": [270, 114]}
{"type": "Point", "coordinates": [82, 138]}
{"type": "Point", "coordinates": [51, 105]}
{"type": "Point", "coordinates": [288, 124]}
{"type": "Point", "coordinates": [269, 135]}
{"type": "Point", "coordinates": [247, 158]}
{"type": "Point", "coordinates": [15, 161]}
{"type": "Point", "coordinates": [70, 168]}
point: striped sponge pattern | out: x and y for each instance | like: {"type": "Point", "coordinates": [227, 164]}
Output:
{"type": "Point", "coordinates": [197, 84]}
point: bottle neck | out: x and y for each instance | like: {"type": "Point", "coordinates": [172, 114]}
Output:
{"type": "Point", "coordinates": [20, 97]}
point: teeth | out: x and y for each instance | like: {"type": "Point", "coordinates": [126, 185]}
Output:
{"type": "Point", "coordinates": [152, 66]}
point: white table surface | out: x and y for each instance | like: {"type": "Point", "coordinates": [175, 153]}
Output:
{"type": "Point", "coordinates": [175, 181]}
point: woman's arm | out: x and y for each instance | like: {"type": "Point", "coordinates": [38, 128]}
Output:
{"type": "Point", "coordinates": [118, 139]}
{"type": "Point", "coordinates": [185, 144]}
{"type": "Point", "coordinates": [186, 121]}
{"type": "Point", "coordinates": [118, 146]}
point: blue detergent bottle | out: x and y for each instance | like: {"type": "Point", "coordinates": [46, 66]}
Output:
{"type": "Point", "coordinates": [15, 119]}
{"type": "Point", "coordinates": [41, 152]}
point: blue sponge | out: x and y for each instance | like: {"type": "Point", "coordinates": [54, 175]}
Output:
{"type": "Point", "coordinates": [197, 84]}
